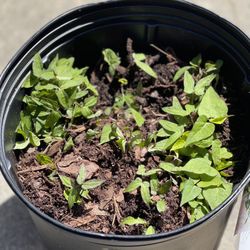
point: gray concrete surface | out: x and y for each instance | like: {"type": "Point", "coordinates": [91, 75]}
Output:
{"type": "Point", "coordinates": [18, 21]}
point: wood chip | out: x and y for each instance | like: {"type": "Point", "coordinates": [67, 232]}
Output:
{"type": "Point", "coordinates": [53, 148]}
{"type": "Point", "coordinates": [119, 197]}
{"type": "Point", "coordinates": [81, 221]}
{"type": "Point", "coordinates": [91, 168]}
{"type": "Point", "coordinates": [77, 129]}
{"type": "Point", "coordinates": [74, 167]}
{"type": "Point", "coordinates": [66, 161]}
{"type": "Point", "coordinates": [94, 210]}
{"type": "Point", "coordinates": [106, 196]}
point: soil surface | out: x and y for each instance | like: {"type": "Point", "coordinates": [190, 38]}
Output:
{"type": "Point", "coordinates": [109, 204]}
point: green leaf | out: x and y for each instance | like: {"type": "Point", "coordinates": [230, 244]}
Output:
{"type": "Point", "coordinates": [48, 86]}
{"type": "Point", "coordinates": [91, 133]}
{"type": "Point", "coordinates": [90, 101]}
{"type": "Point", "coordinates": [215, 182]}
{"type": "Point", "coordinates": [154, 184]}
{"type": "Point", "coordinates": [150, 230]}
{"type": "Point", "coordinates": [218, 120]}
{"type": "Point", "coordinates": [73, 197]}
{"type": "Point", "coordinates": [196, 61]}
{"type": "Point", "coordinates": [224, 164]}
{"type": "Point", "coordinates": [168, 167]}
{"type": "Point", "coordinates": [92, 184]}
{"type": "Point", "coordinates": [52, 176]}
{"type": "Point", "coordinates": [190, 108]}
{"type": "Point", "coordinates": [212, 105]}
{"type": "Point", "coordinates": [199, 168]}
{"type": "Point", "coordinates": [194, 203]}
{"type": "Point", "coordinates": [130, 221]}
{"type": "Point", "coordinates": [123, 81]}
{"type": "Point", "coordinates": [118, 132]}
{"type": "Point", "coordinates": [43, 159]}
{"type": "Point", "coordinates": [82, 175]}
{"type": "Point", "coordinates": [66, 181]}
{"type": "Point", "coordinates": [152, 172]}
{"type": "Point", "coordinates": [180, 143]}
{"type": "Point", "coordinates": [129, 99]}
{"type": "Point", "coordinates": [106, 132]}
{"type": "Point", "coordinates": [163, 133]}
{"type": "Point", "coordinates": [37, 66]}
{"type": "Point", "coordinates": [189, 192]}
{"type": "Point", "coordinates": [161, 206]}
{"type": "Point", "coordinates": [53, 62]}
{"type": "Point", "coordinates": [165, 187]}
{"type": "Point", "coordinates": [34, 140]}
{"type": "Point", "coordinates": [200, 131]}
{"type": "Point", "coordinates": [188, 83]}
{"type": "Point", "coordinates": [21, 144]}
{"type": "Point", "coordinates": [68, 145]}
{"type": "Point", "coordinates": [197, 213]}
{"type": "Point", "coordinates": [52, 119]}
{"type": "Point", "coordinates": [138, 58]}
{"type": "Point", "coordinates": [121, 144]}
{"type": "Point", "coordinates": [85, 194]}
{"type": "Point", "coordinates": [219, 153]}
{"type": "Point", "coordinates": [133, 185]}
{"type": "Point", "coordinates": [75, 82]}
{"type": "Point", "coordinates": [176, 108]}
{"type": "Point", "coordinates": [98, 113]}
{"type": "Point", "coordinates": [216, 195]}
{"type": "Point", "coordinates": [89, 86]}
{"type": "Point", "coordinates": [170, 126]}
{"type": "Point", "coordinates": [62, 98]}
{"type": "Point", "coordinates": [58, 131]}
{"type": "Point", "coordinates": [26, 123]}
{"type": "Point", "coordinates": [145, 194]}
{"type": "Point", "coordinates": [205, 143]}
{"type": "Point", "coordinates": [180, 72]}
{"type": "Point", "coordinates": [167, 143]}
{"type": "Point", "coordinates": [141, 170]}
{"type": "Point", "coordinates": [66, 61]}
{"type": "Point", "coordinates": [203, 83]}
{"type": "Point", "coordinates": [47, 75]}
{"type": "Point", "coordinates": [30, 81]}
{"type": "Point", "coordinates": [64, 72]}
{"type": "Point", "coordinates": [112, 59]}
{"type": "Point", "coordinates": [81, 94]}
{"type": "Point", "coordinates": [211, 66]}
{"type": "Point", "coordinates": [86, 112]}
{"type": "Point", "coordinates": [139, 119]}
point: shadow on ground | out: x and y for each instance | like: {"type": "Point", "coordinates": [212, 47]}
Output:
{"type": "Point", "coordinates": [17, 230]}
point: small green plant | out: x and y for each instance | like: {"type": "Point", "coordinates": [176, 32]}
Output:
{"type": "Point", "coordinates": [58, 95]}
{"type": "Point", "coordinates": [77, 190]}
{"type": "Point", "coordinates": [139, 60]}
{"type": "Point", "coordinates": [112, 60]}
{"type": "Point", "coordinates": [190, 139]}
{"type": "Point", "coordinates": [131, 221]}
{"type": "Point", "coordinates": [150, 187]}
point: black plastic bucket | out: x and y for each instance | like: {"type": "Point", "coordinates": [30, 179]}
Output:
{"type": "Point", "coordinates": [83, 32]}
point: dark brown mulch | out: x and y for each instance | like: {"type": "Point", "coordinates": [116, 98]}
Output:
{"type": "Point", "coordinates": [109, 204]}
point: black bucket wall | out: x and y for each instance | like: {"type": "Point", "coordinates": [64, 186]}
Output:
{"type": "Point", "coordinates": [83, 33]}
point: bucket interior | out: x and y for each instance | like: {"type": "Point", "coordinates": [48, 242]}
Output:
{"type": "Point", "coordinates": [84, 33]}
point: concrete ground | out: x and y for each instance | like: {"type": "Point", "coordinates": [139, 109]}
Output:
{"type": "Point", "coordinates": [18, 21]}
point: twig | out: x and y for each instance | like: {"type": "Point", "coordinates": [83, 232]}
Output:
{"type": "Point", "coordinates": [33, 169]}
{"type": "Point", "coordinates": [170, 57]}
{"type": "Point", "coordinates": [117, 212]}
{"type": "Point", "coordinates": [158, 115]}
